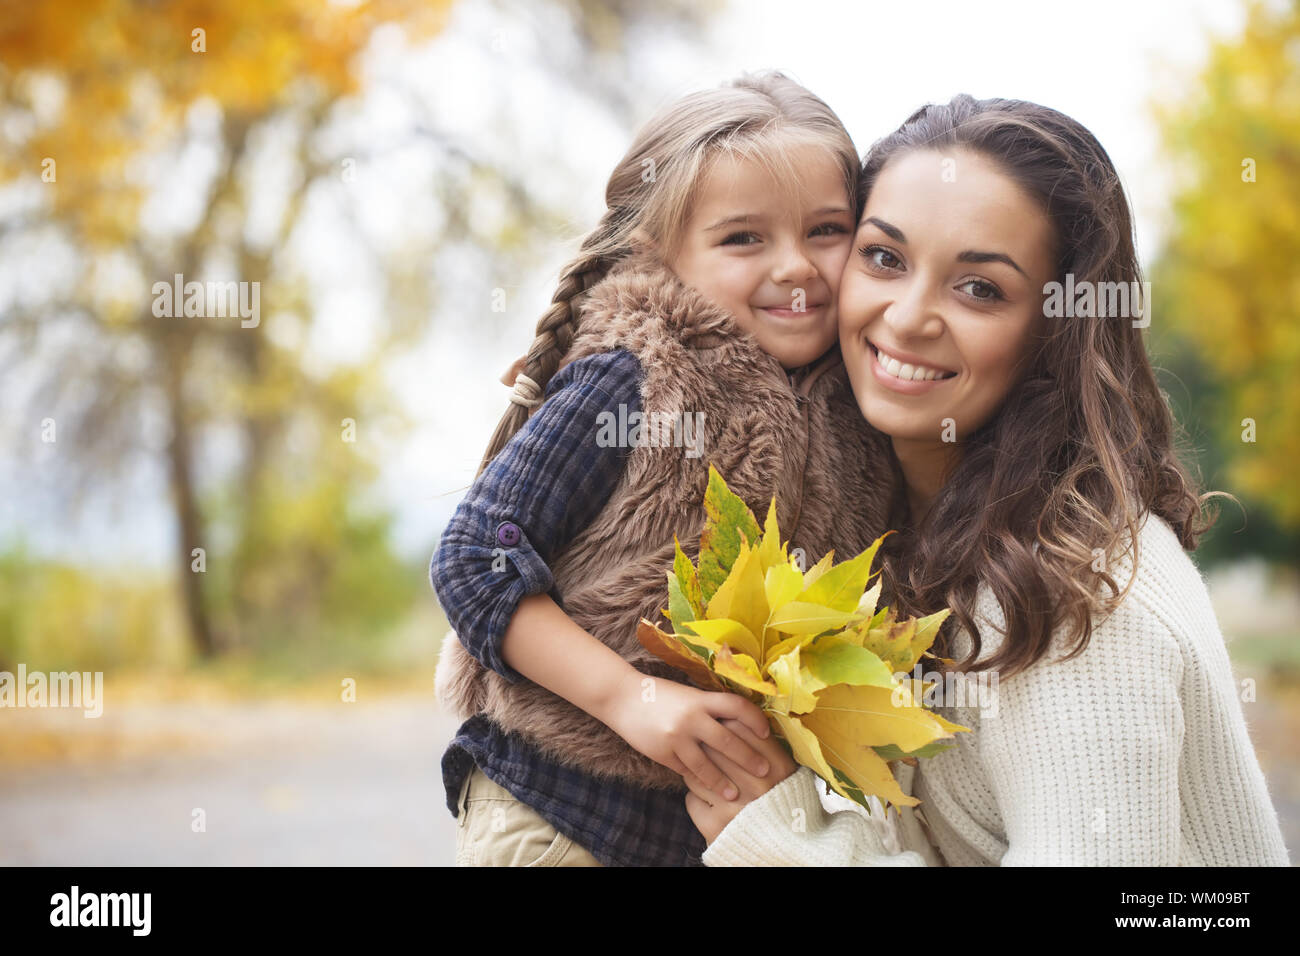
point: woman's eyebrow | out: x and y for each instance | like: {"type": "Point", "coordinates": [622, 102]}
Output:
{"type": "Point", "coordinates": [972, 256]}
{"type": "Point", "coordinates": [893, 232]}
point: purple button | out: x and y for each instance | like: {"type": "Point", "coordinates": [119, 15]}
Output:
{"type": "Point", "coordinates": [508, 533]}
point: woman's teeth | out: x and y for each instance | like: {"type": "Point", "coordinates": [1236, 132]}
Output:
{"type": "Point", "coordinates": [909, 373]}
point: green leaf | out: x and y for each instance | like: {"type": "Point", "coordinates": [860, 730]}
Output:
{"type": "Point", "coordinates": [841, 587]}
{"type": "Point", "coordinates": [893, 752]}
{"type": "Point", "coordinates": [848, 789]}
{"type": "Point", "coordinates": [687, 579]}
{"type": "Point", "coordinates": [679, 608]}
{"type": "Point", "coordinates": [834, 660]}
{"type": "Point", "coordinates": [727, 518]}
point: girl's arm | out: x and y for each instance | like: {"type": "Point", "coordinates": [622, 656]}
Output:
{"type": "Point", "coordinates": [664, 720]}
{"type": "Point", "coordinates": [491, 572]}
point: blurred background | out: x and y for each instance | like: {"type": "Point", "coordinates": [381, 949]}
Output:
{"type": "Point", "coordinates": [403, 179]}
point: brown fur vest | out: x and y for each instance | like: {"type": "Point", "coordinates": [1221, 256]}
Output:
{"type": "Point", "coordinates": [800, 437]}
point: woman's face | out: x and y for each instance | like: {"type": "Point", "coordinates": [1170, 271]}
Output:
{"type": "Point", "coordinates": [941, 297]}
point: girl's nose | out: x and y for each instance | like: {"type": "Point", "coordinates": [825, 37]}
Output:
{"type": "Point", "coordinates": [793, 265]}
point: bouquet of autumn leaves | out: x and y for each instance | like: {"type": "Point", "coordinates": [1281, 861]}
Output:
{"type": "Point", "coordinates": [808, 647]}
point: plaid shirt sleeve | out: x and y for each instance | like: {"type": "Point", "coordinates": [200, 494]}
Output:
{"type": "Point", "coordinates": [547, 484]}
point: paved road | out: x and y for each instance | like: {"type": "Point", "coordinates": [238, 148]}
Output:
{"type": "Point", "coordinates": [298, 784]}
{"type": "Point", "coordinates": [278, 784]}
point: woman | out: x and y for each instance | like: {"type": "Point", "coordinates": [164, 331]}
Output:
{"type": "Point", "coordinates": [1036, 453]}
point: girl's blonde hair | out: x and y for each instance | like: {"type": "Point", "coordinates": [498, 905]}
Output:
{"type": "Point", "coordinates": [763, 117]}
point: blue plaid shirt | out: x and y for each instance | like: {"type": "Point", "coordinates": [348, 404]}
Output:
{"type": "Point", "coordinates": [546, 485]}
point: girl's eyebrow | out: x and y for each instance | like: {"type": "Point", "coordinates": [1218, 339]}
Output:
{"type": "Point", "coordinates": [752, 217]}
{"type": "Point", "coordinates": [893, 232]}
{"type": "Point", "coordinates": [732, 220]}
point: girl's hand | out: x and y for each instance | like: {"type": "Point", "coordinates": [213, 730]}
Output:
{"type": "Point", "coordinates": [711, 813]}
{"type": "Point", "coordinates": [674, 725]}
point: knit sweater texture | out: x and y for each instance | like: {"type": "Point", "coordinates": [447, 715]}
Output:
{"type": "Point", "coordinates": [1134, 753]}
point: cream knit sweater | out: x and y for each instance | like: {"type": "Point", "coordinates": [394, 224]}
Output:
{"type": "Point", "coordinates": [1134, 753]}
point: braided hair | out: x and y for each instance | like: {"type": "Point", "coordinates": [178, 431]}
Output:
{"type": "Point", "coordinates": [761, 116]}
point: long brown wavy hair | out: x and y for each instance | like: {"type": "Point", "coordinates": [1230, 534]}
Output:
{"type": "Point", "coordinates": [1084, 444]}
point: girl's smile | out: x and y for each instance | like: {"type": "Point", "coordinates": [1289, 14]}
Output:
{"type": "Point", "coordinates": [771, 251]}
{"type": "Point", "coordinates": [782, 312]}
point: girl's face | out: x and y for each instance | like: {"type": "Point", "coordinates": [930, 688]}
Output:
{"type": "Point", "coordinates": [771, 259]}
{"type": "Point", "coordinates": [942, 295]}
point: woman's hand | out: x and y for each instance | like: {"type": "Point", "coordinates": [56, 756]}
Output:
{"type": "Point", "coordinates": [710, 813]}
{"type": "Point", "coordinates": [682, 728]}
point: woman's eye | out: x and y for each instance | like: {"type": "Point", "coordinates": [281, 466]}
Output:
{"type": "Point", "coordinates": [880, 257]}
{"type": "Point", "coordinates": [740, 239]}
{"type": "Point", "coordinates": [984, 291]}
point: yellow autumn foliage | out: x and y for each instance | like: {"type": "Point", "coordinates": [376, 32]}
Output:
{"type": "Point", "coordinates": [809, 647]}
{"type": "Point", "coordinates": [127, 73]}
{"type": "Point", "coordinates": [1226, 282]}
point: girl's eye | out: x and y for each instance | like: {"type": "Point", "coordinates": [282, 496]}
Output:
{"type": "Point", "coordinates": [880, 257]}
{"type": "Point", "coordinates": [984, 291]}
{"type": "Point", "coordinates": [739, 239]}
{"type": "Point", "coordinates": [829, 229]}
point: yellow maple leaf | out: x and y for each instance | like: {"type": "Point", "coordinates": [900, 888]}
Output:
{"type": "Point", "coordinates": [809, 647]}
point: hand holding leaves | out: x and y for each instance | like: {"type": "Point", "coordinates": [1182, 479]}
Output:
{"type": "Point", "coordinates": [808, 647]}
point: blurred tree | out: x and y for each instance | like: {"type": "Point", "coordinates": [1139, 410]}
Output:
{"type": "Point", "coordinates": [128, 76]}
{"type": "Point", "coordinates": [105, 106]}
{"type": "Point", "coordinates": [1228, 319]}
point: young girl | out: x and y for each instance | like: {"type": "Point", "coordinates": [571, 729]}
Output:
{"type": "Point", "coordinates": [1055, 526]}
{"type": "Point", "coordinates": [696, 327]}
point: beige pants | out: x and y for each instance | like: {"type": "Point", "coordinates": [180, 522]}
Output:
{"type": "Point", "coordinates": [495, 829]}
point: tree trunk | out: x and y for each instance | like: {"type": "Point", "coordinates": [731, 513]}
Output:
{"type": "Point", "coordinates": [189, 523]}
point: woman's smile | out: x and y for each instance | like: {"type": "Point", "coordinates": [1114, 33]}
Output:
{"type": "Point", "coordinates": [905, 373]}
{"type": "Point", "coordinates": [937, 310]}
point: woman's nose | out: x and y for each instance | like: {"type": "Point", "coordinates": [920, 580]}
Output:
{"type": "Point", "coordinates": [912, 312]}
